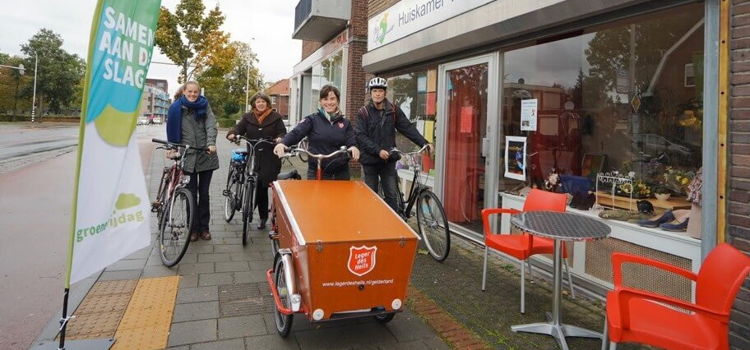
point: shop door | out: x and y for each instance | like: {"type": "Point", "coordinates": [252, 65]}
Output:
{"type": "Point", "coordinates": [468, 90]}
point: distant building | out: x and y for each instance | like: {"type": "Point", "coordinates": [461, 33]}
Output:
{"type": "Point", "coordinates": [279, 94]}
{"type": "Point", "coordinates": [158, 83]}
{"type": "Point", "coordinates": [155, 103]}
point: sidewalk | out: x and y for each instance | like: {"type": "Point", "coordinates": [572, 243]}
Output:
{"type": "Point", "coordinates": [223, 301]}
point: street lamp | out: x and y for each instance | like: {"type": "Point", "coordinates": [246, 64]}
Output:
{"type": "Point", "coordinates": [33, 98]}
{"type": "Point", "coordinates": [247, 82]}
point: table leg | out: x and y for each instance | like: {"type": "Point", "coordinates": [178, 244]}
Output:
{"type": "Point", "coordinates": [554, 326]}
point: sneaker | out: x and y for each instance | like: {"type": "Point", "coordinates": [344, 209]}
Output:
{"type": "Point", "coordinates": [193, 237]}
{"type": "Point", "coordinates": [206, 235]}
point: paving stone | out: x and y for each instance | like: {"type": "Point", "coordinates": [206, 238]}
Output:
{"type": "Point", "coordinates": [188, 281]}
{"type": "Point", "coordinates": [348, 335]}
{"type": "Point", "coordinates": [140, 254]}
{"type": "Point", "coordinates": [123, 265]}
{"type": "Point", "coordinates": [120, 275]}
{"type": "Point", "coordinates": [189, 258]}
{"type": "Point", "coordinates": [196, 311]}
{"type": "Point", "coordinates": [234, 266]}
{"type": "Point", "coordinates": [213, 257]}
{"type": "Point", "coordinates": [213, 279]}
{"type": "Point", "coordinates": [192, 332]}
{"type": "Point", "coordinates": [243, 326]}
{"type": "Point", "coordinates": [407, 327]}
{"type": "Point", "coordinates": [249, 277]}
{"type": "Point", "coordinates": [228, 248]}
{"type": "Point", "coordinates": [233, 344]}
{"type": "Point", "coordinates": [158, 271]}
{"type": "Point", "coordinates": [195, 295]}
{"type": "Point", "coordinates": [188, 269]}
{"type": "Point", "coordinates": [201, 246]}
{"type": "Point", "coordinates": [271, 342]}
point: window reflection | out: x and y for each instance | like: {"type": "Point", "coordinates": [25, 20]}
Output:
{"type": "Point", "coordinates": [629, 92]}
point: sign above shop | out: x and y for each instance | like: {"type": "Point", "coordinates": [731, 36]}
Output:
{"type": "Point", "coordinates": [410, 16]}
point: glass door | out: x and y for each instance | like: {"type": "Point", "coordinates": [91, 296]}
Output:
{"type": "Point", "coordinates": [469, 111]}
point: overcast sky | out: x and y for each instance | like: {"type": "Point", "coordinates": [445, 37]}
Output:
{"type": "Point", "coordinates": [270, 23]}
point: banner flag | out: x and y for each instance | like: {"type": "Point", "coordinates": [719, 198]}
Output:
{"type": "Point", "coordinates": [110, 218]}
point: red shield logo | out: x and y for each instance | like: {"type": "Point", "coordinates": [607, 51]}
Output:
{"type": "Point", "coordinates": [361, 259]}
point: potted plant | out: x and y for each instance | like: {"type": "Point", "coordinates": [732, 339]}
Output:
{"type": "Point", "coordinates": [661, 192]}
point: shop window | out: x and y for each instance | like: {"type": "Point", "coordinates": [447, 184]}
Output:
{"type": "Point", "coordinates": [628, 93]}
{"type": "Point", "coordinates": [414, 93]}
{"type": "Point", "coordinates": [328, 71]}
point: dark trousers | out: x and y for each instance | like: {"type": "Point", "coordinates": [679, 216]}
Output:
{"type": "Point", "coordinates": [261, 199]}
{"type": "Point", "coordinates": [199, 186]}
{"type": "Point", "coordinates": [341, 174]}
{"type": "Point", "coordinates": [384, 174]}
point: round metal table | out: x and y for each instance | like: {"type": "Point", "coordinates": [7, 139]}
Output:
{"type": "Point", "coordinates": [559, 226]}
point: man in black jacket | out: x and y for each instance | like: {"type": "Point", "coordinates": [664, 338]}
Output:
{"type": "Point", "coordinates": [375, 130]}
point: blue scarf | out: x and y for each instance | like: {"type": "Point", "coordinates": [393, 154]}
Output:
{"type": "Point", "coordinates": [174, 116]}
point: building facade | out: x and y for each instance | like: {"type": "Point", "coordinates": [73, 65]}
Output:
{"type": "Point", "coordinates": [334, 35]}
{"type": "Point", "coordinates": [154, 104]}
{"type": "Point", "coordinates": [618, 100]}
{"type": "Point", "coordinates": [279, 94]}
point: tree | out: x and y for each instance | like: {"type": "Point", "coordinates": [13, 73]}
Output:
{"type": "Point", "coordinates": [11, 82]}
{"type": "Point", "coordinates": [193, 40]}
{"type": "Point", "coordinates": [58, 72]}
{"type": "Point", "coordinates": [226, 88]}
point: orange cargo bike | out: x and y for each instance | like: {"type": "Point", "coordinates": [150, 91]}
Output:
{"type": "Point", "coordinates": [341, 252]}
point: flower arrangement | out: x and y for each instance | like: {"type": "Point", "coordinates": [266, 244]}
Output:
{"type": "Point", "coordinates": [638, 188]}
{"type": "Point", "coordinates": [677, 180]}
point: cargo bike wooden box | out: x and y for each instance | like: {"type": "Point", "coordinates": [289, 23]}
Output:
{"type": "Point", "coordinates": [341, 252]}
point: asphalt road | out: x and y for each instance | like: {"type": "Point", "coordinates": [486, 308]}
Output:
{"type": "Point", "coordinates": [35, 207]}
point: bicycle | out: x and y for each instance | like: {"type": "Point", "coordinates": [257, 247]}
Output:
{"type": "Point", "coordinates": [241, 183]}
{"type": "Point", "coordinates": [431, 220]}
{"type": "Point", "coordinates": [174, 205]}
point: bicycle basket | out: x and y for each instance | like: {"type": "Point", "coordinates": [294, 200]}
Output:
{"type": "Point", "coordinates": [239, 155]}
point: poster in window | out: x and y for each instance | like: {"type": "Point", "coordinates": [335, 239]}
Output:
{"type": "Point", "coordinates": [431, 103]}
{"type": "Point", "coordinates": [515, 157]}
{"type": "Point", "coordinates": [528, 114]}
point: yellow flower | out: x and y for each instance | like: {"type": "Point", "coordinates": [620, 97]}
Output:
{"type": "Point", "coordinates": [684, 181]}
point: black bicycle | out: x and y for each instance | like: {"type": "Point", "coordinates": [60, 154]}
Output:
{"type": "Point", "coordinates": [431, 220]}
{"type": "Point", "coordinates": [241, 182]}
{"type": "Point", "coordinates": [174, 205]}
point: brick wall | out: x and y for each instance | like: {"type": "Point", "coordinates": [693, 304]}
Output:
{"type": "Point", "coordinates": [308, 47]}
{"type": "Point", "coordinates": [376, 6]}
{"type": "Point", "coordinates": [355, 75]}
{"type": "Point", "coordinates": [738, 206]}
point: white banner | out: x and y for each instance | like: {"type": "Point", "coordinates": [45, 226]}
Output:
{"type": "Point", "coordinates": [111, 208]}
{"type": "Point", "coordinates": [112, 218]}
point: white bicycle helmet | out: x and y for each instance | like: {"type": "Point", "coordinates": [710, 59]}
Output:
{"type": "Point", "coordinates": [377, 82]}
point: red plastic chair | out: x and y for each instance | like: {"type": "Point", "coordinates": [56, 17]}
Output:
{"type": "Point", "coordinates": [522, 246]}
{"type": "Point", "coordinates": [635, 315]}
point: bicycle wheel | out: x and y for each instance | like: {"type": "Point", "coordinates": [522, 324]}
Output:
{"type": "Point", "coordinates": [230, 194]}
{"type": "Point", "coordinates": [174, 235]}
{"type": "Point", "coordinates": [302, 155]}
{"type": "Point", "coordinates": [247, 208]}
{"type": "Point", "coordinates": [433, 225]}
{"type": "Point", "coordinates": [283, 322]}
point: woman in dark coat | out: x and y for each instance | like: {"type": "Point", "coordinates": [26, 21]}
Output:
{"type": "Point", "coordinates": [262, 123]}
